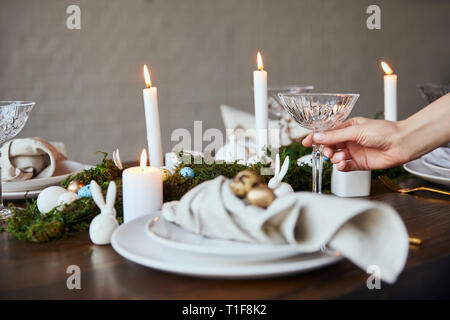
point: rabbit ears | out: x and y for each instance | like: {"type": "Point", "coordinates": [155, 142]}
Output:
{"type": "Point", "coordinates": [284, 169]}
{"type": "Point", "coordinates": [97, 195]}
{"type": "Point", "coordinates": [116, 159]}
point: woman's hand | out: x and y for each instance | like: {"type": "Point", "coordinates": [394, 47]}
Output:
{"type": "Point", "coordinates": [364, 144]}
{"type": "Point", "coordinates": [361, 144]}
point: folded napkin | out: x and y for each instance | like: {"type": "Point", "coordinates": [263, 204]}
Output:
{"type": "Point", "coordinates": [23, 159]}
{"type": "Point", "coordinates": [366, 232]}
{"type": "Point", "coordinates": [439, 157]}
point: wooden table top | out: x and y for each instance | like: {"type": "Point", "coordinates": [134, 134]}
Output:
{"type": "Point", "coordinates": [38, 271]}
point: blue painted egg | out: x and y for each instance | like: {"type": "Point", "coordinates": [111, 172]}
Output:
{"type": "Point", "coordinates": [85, 192]}
{"type": "Point", "coordinates": [187, 173]}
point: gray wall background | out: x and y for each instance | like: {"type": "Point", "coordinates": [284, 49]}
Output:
{"type": "Point", "coordinates": [88, 83]}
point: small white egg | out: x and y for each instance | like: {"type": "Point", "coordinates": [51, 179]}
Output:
{"type": "Point", "coordinates": [48, 198]}
{"type": "Point", "coordinates": [67, 198]}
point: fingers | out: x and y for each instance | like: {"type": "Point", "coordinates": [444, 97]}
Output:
{"type": "Point", "coordinates": [347, 131]}
{"type": "Point", "coordinates": [347, 165]}
{"type": "Point", "coordinates": [342, 158]}
{"type": "Point", "coordinates": [328, 152]}
{"type": "Point", "coordinates": [352, 122]}
{"type": "Point", "coordinates": [341, 155]}
{"type": "Point", "coordinates": [307, 142]}
{"type": "Point", "coordinates": [337, 136]}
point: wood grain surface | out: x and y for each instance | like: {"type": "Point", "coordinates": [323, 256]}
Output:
{"type": "Point", "coordinates": [38, 271]}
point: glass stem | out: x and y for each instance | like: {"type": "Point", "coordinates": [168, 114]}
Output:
{"type": "Point", "coordinates": [317, 161]}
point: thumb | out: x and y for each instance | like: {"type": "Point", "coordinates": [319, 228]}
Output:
{"type": "Point", "coordinates": [333, 137]}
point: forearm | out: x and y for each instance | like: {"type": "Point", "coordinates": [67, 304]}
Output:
{"type": "Point", "coordinates": [427, 129]}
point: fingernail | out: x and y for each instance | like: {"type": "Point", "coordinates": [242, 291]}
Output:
{"type": "Point", "coordinates": [341, 165]}
{"type": "Point", "coordinates": [319, 136]}
{"type": "Point", "coordinates": [326, 153]}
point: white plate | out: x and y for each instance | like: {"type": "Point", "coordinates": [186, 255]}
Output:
{"type": "Point", "coordinates": [171, 235]}
{"type": "Point", "coordinates": [20, 195]}
{"type": "Point", "coordinates": [441, 170]}
{"type": "Point", "coordinates": [417, 168]}
{"type": "Point", "coordinates": [131, 241]}
{"type": "Point", "coordinates": [64, 168]}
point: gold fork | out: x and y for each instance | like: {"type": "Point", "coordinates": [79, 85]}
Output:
{"type": "Point", "coordinates": [395, 187]}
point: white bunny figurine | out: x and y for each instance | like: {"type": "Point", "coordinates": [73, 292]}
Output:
{"type": "Point", "coordinates": [280, 188]}
{"type": "Point", "coordinates": [103, 225]}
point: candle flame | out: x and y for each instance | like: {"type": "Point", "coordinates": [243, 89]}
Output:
{"type": "Point", "coordinates": [386, 68]}
{"type": "Point", "coordinates": [143, 159]}
{"type": "Point", "coordinates": [260, 61]}
{"type": "Point", "coordinates": [148, 82]}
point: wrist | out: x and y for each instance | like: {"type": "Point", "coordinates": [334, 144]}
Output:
{"type": "Point", "coordinates": [417, 136]}
{"type": "Point", "coordinates": [404, 140]}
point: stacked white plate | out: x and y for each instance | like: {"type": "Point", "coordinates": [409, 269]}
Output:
{"type": "Point", "coordinates": [156, 243]}
{"type": "Point", "coordinates": [18, 190]}
{"type": "Point", "coordinates": [429, 171]}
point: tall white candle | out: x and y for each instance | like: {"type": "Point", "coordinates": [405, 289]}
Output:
{"type": "Point", "coordinates": [261, 107]}
{"type": "Point", "coordinates": [152, 122]}
{"type": "Point", "coordinates": [390, 93]}
{"type": "Point", "coordinates": [142, 190]}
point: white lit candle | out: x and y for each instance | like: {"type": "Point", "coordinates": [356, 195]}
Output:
{"type": "Point", "coordinates": [142, 190]}
{"type": "Point", "coordinates": [390, 93]}
{"type": "Point", "coordinates": [261, 107]}
{"type": "Point", "coordinates": [152, 122]}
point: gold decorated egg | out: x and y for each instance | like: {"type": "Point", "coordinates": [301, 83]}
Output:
{"type": "Point", "coordinates": [74, 186]}
{"type": "Point", "coordinates": [243, 182]}
{"type": "Point", "coordinates": [266, 171]}
{"type": "Point", "coordinates": [261, 196]}
{"type": "Point", "coordinates": [165, 174]}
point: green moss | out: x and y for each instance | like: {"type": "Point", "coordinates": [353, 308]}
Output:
{"type": "Point", "coordinates": [101, 173]}
{"type": "Point", "coordinates": [299, 177]}
{"type": "Point", "coordinates": [29, 224]}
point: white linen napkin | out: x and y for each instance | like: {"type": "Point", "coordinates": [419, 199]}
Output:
{"type": "Point", "coordinates": [439, 157]}
{"type": "Point", "coordinates": [366, 232]}
{"type": "Point", "coordinates": [24, 159]}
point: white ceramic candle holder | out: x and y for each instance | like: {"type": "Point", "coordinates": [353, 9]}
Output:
{"type": "Point", "coordinates": [350, 184]}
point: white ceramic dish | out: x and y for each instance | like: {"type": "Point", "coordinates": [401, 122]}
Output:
{"type": "Point", "coordinates": [131, 241]}
{"type": "Point", "coordinates": [441, 170]}
{"type": "Point", "coordinates": [21, 195]}
{"type": "Point", "coordinates": [170, 235]}
{"type": "Point", "coordinates": [64, 168]}
{"type": "Point", "coordinates": [418, 168]}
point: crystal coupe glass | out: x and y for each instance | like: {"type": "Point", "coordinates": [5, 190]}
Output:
{"type": "Point", "coordinates": [318, 112]}
{"type": "Point", "coordinates": [275, 107]}
{"type": "Point", "coordinates": [13, 116]}
{"type": "Point", "coordinates": [277, 112]}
